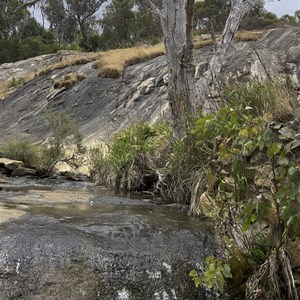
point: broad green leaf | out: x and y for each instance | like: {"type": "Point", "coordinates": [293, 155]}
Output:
{"type": "Point", "coordinates": [274, 149]}
{"type": "Point", "coordinates": [193, 273]}
{"type": "Point", "coordinates": [226, 271]}
{"type": "Point", "coordinates": [210, 280]}
{"type": "Point", "coordinates": [268, 134]}
{"type": "Point", "coordinates": [198, 281]}
{"type": "Point", "coordinates": [220, 282]}
{"type": "Point", "coordinates": [293, 175]}
{"type": "Point", "coordinates": [261, 145]}
{"type": "Point", "coordinates": [244, 133]}
{"type": "Point", "coordinates": [281, 193]}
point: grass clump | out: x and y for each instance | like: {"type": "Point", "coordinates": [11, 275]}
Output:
{"type": "Point", "coordinates": [134, 157]}
{"type": "Point", "coordinates": [72, 60]}
{"type": "Point", "coordinates": [9, 86]}
{"type": "Point", "coordinates": [69, 80]}
{"type": "Point", "coordinates": [112, 63]}
{"type": "Point", "coordinates": [63, 146]}
{"type": "Point", "coordinates": [240, 36]}
{"type": "Point", "coordinates": [268, 99]}
{"type": "Point", "coordinates": [25, 151]}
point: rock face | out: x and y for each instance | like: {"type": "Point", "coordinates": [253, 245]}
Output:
{"type": "Point", "coordinates": [104, 106]}
{"type": "Point", "coordinates": [31, 65]}
{"type": "Point", "coordinates": [15, 168]}
{"type": "Point", "coordinates": [116, 248]}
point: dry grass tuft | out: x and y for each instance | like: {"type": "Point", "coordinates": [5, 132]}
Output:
{"type": "Point", "coordinates": [113, 62]}
{"type": "Point", "coordinates": [74, 60]}
{"type": "Point", "coordinates": [9, 86]}
{"type": "Point", "coordinates": [248, 36]}
{"type": "Point", "coordinates": [241, 36]}
{"type": "Point", "coordinates": [68, 80]}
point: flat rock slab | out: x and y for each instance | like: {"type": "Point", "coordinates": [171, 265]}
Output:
{"type": "Point", "coordinates": [10, 164]}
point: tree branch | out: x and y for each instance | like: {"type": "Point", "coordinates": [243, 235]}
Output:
{"type": "Point", "coordinates": [239, 8]}
{"type": "Point", "coordinates": [27, 4]}
{"type": "Point", "coordinates": [152, 8]}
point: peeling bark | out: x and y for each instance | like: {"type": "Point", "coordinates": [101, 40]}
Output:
{"type": "Point", "coordinates": [176, 17]}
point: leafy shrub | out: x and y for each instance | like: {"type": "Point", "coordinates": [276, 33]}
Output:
{"type": "Point", "coordinates": [65, 144]}
{"type": "Point", "coordinates": [261, 219]}
{"type": "Point", "coordinates": [214, 276]}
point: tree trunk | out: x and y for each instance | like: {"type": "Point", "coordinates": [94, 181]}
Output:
{"type": "Point", "coordinates": [83, 31]}
{"type": "Point", "coordinates": [177, 24]}
{"type": "Point", "coordinates": [176, 17]}
{"type": "Point", "coordinates": [239, 9]}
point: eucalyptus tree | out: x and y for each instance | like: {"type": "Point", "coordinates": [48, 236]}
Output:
{"type": "Point", "coordinates": [10, 17]}
{"type": "Point", "coordinates": [60, 20]}
{"type": "Point", "coordinates": [187, 88]}
{"type": "Point", "coordinates": [117, 24]}
{"type": "Point", "coordinates": [84, 12]}
{"type": "Point", "coordinates": [211, 13]}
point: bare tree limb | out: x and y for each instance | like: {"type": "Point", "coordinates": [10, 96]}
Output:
{"type": "Point", "coordinates": [239, 9]}
{"type": "Point", "coordinates": [27, 4]}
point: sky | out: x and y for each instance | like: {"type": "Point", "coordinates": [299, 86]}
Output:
{"type": "Point", "coordinates": [283, 7]}
{"type": "Point", "coordinates": [280, 8]}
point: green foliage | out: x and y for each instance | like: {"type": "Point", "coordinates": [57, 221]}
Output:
{"type": "Point", "coordinates": [209, 13]}
{"type": "Point", "coordinates": [100, 170]}
{"type": "Point", "coordinates": [125, 24]}
{"type": "Point", "coordinates": [15, 82]}
{"type": "Point", "coordinates": [24, 151]}
{"type": "Point", "coordinates": [65, 144]}
{"type": "Point", "coordinates": [137, 139]}
{"type": "Point", "coordinates": [214, 276]}
{"type": "Point", "coordinates": [229, 143]}
{"type": "Point", "coordinates": [134, 153]}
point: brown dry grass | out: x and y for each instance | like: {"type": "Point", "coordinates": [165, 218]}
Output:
{"type": "Point", "coordinates": [68, 80]}
{"type": "Point", "coordinates": [112, 63]}
{"type": "Point", "coordinates": [240, 36]}
{"type": "Point", "coordinates": [74, 60]}
{"type": "Point", "coordinates": [9, 86]}
{"type": "Point", "coordinates": [248, 36]}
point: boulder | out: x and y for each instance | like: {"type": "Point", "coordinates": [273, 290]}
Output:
{"type": "Point", "coordinates": [10, 164]}
{"type": "Point", "coordinates": [22, 171]}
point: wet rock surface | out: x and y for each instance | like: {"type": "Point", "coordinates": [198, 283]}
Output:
{"type": "Point", "coordinates": [97, 247]}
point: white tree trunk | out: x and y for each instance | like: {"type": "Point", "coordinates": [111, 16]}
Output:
{"type": "Point", "coordinates": [177, 24]}
{"type": "Point", "coordinates": [239, 9]}
{"type": "Point", "coordinates": [176, 17]}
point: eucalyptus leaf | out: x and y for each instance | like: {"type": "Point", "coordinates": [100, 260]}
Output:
{"type": "Point", "coordinates": [193, 273]}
